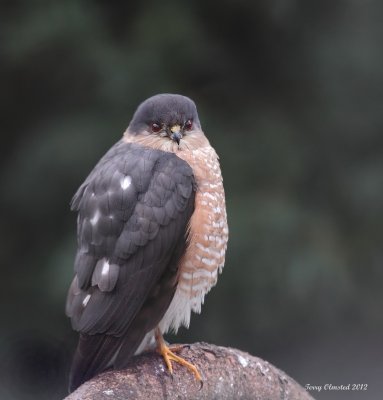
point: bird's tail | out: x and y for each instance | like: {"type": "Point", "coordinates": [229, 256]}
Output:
{"type": "Point", "coordinates": [98, 353]}
{"type": "Point", "coordinates": [94, 354]}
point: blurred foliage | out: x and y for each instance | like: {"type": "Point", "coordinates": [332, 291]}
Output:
{"type": "Point", "coordinates": [289, 93]}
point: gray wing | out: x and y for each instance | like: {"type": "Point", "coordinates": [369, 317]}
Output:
{"type": "Point", "coordinates": [133, 214]}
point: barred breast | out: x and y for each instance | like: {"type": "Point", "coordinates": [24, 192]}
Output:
{"type": "Point", "coordinates": [205, 255]}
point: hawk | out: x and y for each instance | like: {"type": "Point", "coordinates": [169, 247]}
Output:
{"type": "Point", "coordinates": [152, 235]}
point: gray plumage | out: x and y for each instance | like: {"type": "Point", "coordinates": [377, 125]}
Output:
{"type": "Point", "coordinates": [133, 214]}
{"type": "Point", "coordinates": [165, 108]}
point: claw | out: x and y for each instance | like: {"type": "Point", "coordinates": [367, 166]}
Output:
{"type": "Point", "coordinates": [169, 356]}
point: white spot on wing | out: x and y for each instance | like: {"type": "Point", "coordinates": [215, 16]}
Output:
{"type": "Point", "coordinates": [105, 268]}
{"type": "Point", "coordinates": [126, 182]}
{"type": "Point", "coordinates": [86, 300]}
{"type": "Point", "coordinates": [95, 218]}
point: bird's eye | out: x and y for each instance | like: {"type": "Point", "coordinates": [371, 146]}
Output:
{"type": "Point", "coordinates": [155, 127]}
{"type": "Point", "coordinates": [188, 124]}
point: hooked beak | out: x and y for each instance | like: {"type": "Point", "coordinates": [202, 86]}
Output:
{"type": "Point", "coordinates": [175, 133]}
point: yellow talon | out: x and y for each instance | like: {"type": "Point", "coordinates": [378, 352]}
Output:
{"type": "Point", "coordinates": [168, 355]}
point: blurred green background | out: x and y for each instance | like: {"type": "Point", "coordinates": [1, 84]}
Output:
{"type": "Point", "coordinates": [289, 93]}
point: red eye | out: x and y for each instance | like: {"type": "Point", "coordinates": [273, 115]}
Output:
{"type": "Point", "coordinates": [188, 124]}
{"type": "Point", "coordinates": [155, 127]}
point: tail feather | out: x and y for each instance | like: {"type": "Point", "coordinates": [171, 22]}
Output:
{"type": "Point", "coordinates": [98, 353]}
{"type": "Point", "coordinates": [94, 354]}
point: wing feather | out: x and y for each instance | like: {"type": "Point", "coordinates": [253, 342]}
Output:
{"type": "Point", "coordinates": [134, 210]}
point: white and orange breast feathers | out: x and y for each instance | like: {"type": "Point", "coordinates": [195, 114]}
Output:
{"type": "Point", "coordinates": [208, 233]}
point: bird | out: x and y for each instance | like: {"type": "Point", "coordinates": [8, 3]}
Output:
{"type": "Point", "coordinates": [152, 235]}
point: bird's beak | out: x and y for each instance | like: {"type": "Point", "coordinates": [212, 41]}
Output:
{"type": "Point", "coordinates": [175, 133]}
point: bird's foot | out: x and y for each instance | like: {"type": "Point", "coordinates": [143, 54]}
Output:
{"type": "Point", "coordinates": [168, 355]}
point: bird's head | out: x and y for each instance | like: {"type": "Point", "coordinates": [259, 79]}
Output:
{"type": "Point", "coordinates": [167, 122]}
